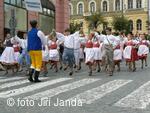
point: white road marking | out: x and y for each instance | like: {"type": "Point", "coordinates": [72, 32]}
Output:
{"type": "Point", "coordinates": [62, 89]}
{"type": "Point", "coordinates": [16, 83]}
{"type": "Point", "coordinates": [94, 94]}
{"type": "Point", "coordinates": [10, 79]}
{"type": "Point", "coordinates": [14, 92]}
{"type": "Point", "coordinates": [139, 99]}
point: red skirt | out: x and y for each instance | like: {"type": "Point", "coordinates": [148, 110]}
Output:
{"type": "Point", "coordinates": [134, 55]}
{"type": "Point", "coordinates": [143, 57]}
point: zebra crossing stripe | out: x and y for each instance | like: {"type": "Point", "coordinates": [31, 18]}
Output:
{"type": "Point", "coordinates": [94, 94]}
{"type": "Point", "coordinates": [14, 92]}
{"type": "Point", "coordinates": [10, 79]}
{"type": "Point", "coordinates": [62, 89]}
{"type": "Point", "coordinates": [16, 83]}
{"type": "Point", "coordinates": [139, 99]}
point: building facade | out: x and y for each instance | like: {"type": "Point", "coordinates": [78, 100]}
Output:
{"type": "Point", "coordinates": [136, 11]}
{"type": "Point", "coordinates": [55, 15]}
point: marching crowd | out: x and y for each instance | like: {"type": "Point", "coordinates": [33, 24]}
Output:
{"type": "Point", "coordinates": [98, 51]}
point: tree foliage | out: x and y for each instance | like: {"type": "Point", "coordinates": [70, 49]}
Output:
{"type": "Point", "coordinates": [120, 23]}
{"type": "Point", "coordinates": [95, 20]}
{"type": "Point", "coordinates": [74, 27]}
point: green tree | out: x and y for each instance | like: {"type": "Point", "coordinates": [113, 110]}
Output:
{"type": "Point", "coordinates": [120, 23]}
{"type": "Point", "coordinates": [95, 20]}
{"type": "Point", "coordinates": [74, 27]}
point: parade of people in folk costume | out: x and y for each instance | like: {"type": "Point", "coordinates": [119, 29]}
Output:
{"type": "Point", "coordinates": [99, 51]}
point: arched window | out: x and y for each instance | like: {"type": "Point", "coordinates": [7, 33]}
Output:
{"type": "Point", "coordinates": [92, 7]}
{"type": "Point", "coordinates": [105, 6]}
{"type": "Point", "coordinates": [131, 25]}
{"type": "Point", "coordinates": [130, 4]}
{"type": "Point", "coordinates": [70, 10]}
{"type": "Point", "coordinates": [117, 5]}
{"type": "Point", "coordinates": [139, 24]}
{"type": "Point", "coordinates": [80, 9]}
{"type": "Point", "coordinates": [138, 3]}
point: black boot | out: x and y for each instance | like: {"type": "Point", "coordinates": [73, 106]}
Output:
{"type": "Point", "coordinates": [31, 71]}
{"type": "Point", "coordinates": [36, 76]}
{"type": "Point", "coordinates": [90, 73]}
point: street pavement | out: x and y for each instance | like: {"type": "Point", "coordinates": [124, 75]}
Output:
{"type": "Point", "coordinates": [125, 92]}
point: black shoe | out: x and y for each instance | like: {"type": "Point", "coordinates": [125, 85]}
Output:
{"type": "Point", "coordinates": [61, 68]}
{"type": "Point", "coordinates": [142, 67]}
{"type": "Point", "coordinates": [36, 81]}
{"type": "Point", "coordinates": [31, 71]}
{"type": "Point", "coordinates": [56, 70]}
{"type": "Point", "coordinates": [90, 73]}
{"type": "Point", "coordinates": [36, 76]}
{"type": "Point", "coordinates": [134, 69]}
{"type": "Point", "coordinates": [99, 70]}
{"type": "Point", "coordinates": [118, 69]}
{"type": "Point", "coordinates": [79, 68]}
{"type": "Point", "coordinates": [71, 73]}
{"type": "Point", "coordinates": [74, 66]}
{"type": "Point", "coordinates": [111, 74]}
{"type": "Point", "coordinates": [30, 79]}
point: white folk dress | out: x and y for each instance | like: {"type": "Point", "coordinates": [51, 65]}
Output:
{"type": "Point", "coordinates": [143, 49]}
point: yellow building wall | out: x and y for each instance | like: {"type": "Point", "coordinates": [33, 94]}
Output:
{"type": "Point", "coordinates": [133, 17]}
{"type": "Point", "coordinates": [133, 14]}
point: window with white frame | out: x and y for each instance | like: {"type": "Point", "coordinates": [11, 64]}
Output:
{"type": "Point", "coordinates": [138, 3]}
{"type": "Point", "coordinates": [131, 25]}
{"type": "Point", "coordinates": [117, 5]}
{"type": "Point", "coordinates": [130, 4]}
{"type": "Point", "coordinates": [80, 9]}
{"type": "Point", "coordinates": [139, 24]}
{"type": "Point", "coordinates": [92, 7]}
{"type": "Point", "coordinates": [105, 6]}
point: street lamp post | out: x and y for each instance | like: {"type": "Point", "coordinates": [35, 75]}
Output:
{"type": "Point", "coordinates": [12, 23]}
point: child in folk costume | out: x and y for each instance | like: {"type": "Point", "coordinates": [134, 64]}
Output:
{"type": "Point", "coordinates": [45, 57]}
{"type": "Point", "coordinates": [24, 54]}
{"type": "Point", "coordinates": [100, 38]}
{"type": "Point", "coordinates": [143, 49]}
{"type": "Point", "coordinates": [16, 47]}
{"type": "Point", "coordinates": [81, 55]}
{"type": "Point", "coordinates": [1, 51]}
{"type": "Point", "coordinates": [82, 39]}
{"type": "Point", "coordinates": [97, 54]}
{"type": "Point", "coordinates": [61, 50]}
{"type": "Point", "coordinates": [53, 52]}
{"type": "Point", "coordinates": [77, 44]}
{"type": "Point", "coordinates": [8, 55]}
{"type": "Point", "coordinates": [130, 52]}
{"type": "Point", "coordinates": [89, 54]}
{"type": "Point", "coordinates": [118, 53]}
{"type": "Point", "coordinates": [1, 47]}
